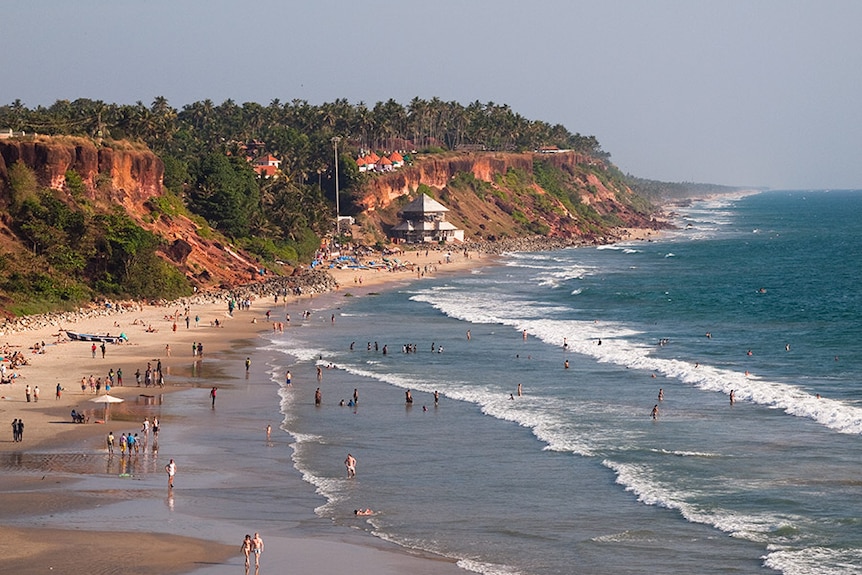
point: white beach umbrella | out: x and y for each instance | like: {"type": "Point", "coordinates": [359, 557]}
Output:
{"type": "Point", "coordinates": [107, 400]}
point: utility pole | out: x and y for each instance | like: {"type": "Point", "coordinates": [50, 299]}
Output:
{"type": "Point", "coordinates": [335, 140]}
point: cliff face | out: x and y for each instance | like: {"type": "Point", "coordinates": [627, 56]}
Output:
{"type": "Point", "coordinates": [135, 175]}
{"type": "Point", "coordinates": [127, 177]}
{"type": "Point", "coordinates": [510, 205]}
{"type": "Point", "coordinates": [436, 172]}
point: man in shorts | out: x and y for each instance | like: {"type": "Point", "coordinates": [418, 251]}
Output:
{"type": "Point", "coordinates": [257, 549]}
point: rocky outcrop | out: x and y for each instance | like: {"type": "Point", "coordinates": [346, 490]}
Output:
{"type": "Point", "coordinates": [132, 176]}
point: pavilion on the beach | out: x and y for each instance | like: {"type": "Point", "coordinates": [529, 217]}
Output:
{"type": "Point", "coordinates": [424, 220]}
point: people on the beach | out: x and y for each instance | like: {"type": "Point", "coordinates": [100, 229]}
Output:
{"type": "Point", "coordinates": [110, 442]}
{"type": "Point", "coordinates": [171, 470]}
{"type": "Point", "coordinates": [245, 548]}
{"type": "Point", "coordinates": [350, 464]}
{"type": "Point", "coordinates": [257, 549]}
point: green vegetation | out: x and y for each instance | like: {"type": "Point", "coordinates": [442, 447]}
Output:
{"type": "Point", "coordinates": [75, 254]}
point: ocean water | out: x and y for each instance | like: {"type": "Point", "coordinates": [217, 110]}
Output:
{"type": "Point", "coordinates": [574, 475]}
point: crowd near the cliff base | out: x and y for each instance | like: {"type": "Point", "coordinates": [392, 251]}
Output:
{"type": "Point", "coordinates": [309, 282]}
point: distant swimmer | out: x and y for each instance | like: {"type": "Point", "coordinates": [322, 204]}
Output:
{"type": "Point", "coordinates": [519, 390]}
{"type": "Point", "coordinates": [732, 397]}
{"type": "Point", "coordinates": [468, 335]}
{"type": "Point", "coordinates": [317, 397]}
{"type": "Point", "coordinates": [654, 413]}
{"type": "Point", "coordinates": [524, 335]}
{"type": "Point", "coordinates": [661, 394]}
{"type": "Point", "coordinates": [363, 512]}
{"type": "Point", "coordinates": [600, 341]}
{"type": "Point", "coordinates": [511, 396]}
{"type": "Point", "coordinates": [709, 335]}
{"type": "Point", "coordinates": [749, 352]}
{"type": "Point", "coordinates": [787, 347]}
{"type": "Point", "coordinates": [761, 290]}
{"type": "Point", "coordinates": [566, 364]}
{"type": "Point", "coordinates": [565, 344]}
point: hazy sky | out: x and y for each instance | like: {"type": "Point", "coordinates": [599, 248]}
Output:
{"type": "Point", "coordinates": [740, 92]}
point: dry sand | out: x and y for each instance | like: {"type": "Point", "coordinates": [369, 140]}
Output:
{"type": "Point", "coordinates": [38, 481]}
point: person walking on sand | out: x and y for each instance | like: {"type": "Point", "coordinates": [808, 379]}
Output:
{"type": "Point", "coordinates": [245, 548]}
{"type": "Point", "coordinates": [110, 441]}
{"type": "Point", "coordinates": [213, 395]}
{"type": "Point", "coordinates": [102, 347]}
{"type": "Point", "coordinates": [350, 464]}
{"type": "Point", "coordinates": [27, 392]}
{"type": "Point", "coordinates": [171, 470]}
{"type": "Point", "coordinates": [257, 549]}
{"type": "Point", "coordinates": [59, 390]}
{"type": "Point", "coordinates": [36, 394]}
{"type": "Point", "coordinates": [247, 364]}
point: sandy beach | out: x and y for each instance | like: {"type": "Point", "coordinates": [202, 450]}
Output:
{"type": "Point", "coordinates": [60, 489]}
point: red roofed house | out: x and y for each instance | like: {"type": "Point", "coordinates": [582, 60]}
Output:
{"type": "Point", "coordinates": [267, 165]}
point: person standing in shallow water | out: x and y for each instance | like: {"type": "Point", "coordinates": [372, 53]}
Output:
{"type": "Point", "coordinates": [171, 470]}
{"type": "Point", "coordinates": [350, 464]}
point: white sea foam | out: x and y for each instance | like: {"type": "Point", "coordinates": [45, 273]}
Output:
{"type": "Point", "coordinates": [642, 482]}
{"type": "Point", "coordinates": [814, 561]}
{"type": "Point", "coordinates": [623, 345]}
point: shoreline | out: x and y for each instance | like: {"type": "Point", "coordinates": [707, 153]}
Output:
{"type": "Point", "coordinates": [51, 471]}
{"type": "Point", "coordinates": [49, 430]}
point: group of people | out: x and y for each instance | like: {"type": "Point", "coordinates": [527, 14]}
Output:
{"type": "Point", "coordinates": [252, 546]}
{"type": "Point", "coordinates": [132, 443]}
{"type": "Point", "coordinates": [17, 430]}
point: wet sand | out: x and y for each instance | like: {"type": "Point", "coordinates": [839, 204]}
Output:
{"type": "Point", "coordinates": [67, 506]}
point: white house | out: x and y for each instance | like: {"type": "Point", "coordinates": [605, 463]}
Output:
{"type": "Point", "coordinates": [424, 220]}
